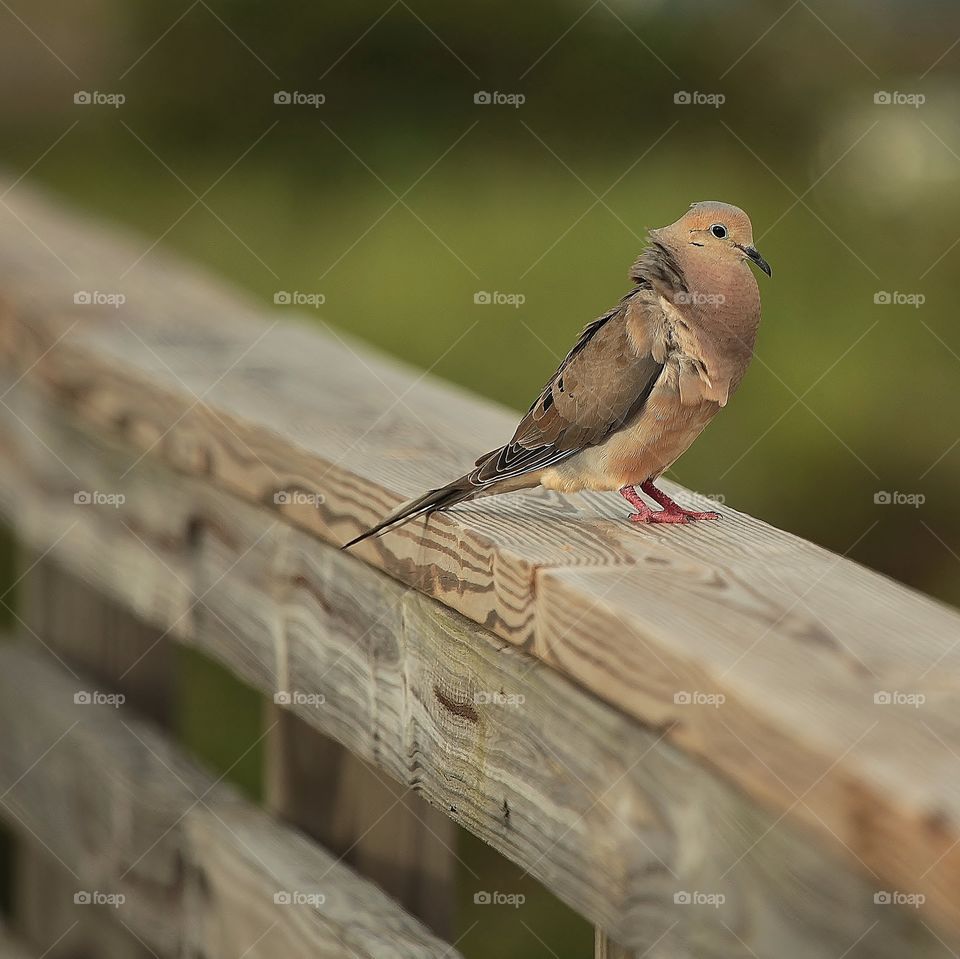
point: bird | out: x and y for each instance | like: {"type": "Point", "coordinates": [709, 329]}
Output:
{"type": "Point", "coordinates": [641, 382]}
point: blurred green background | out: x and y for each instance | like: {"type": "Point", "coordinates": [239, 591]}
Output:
{"type": "Point", "coordinates": [400, 197]}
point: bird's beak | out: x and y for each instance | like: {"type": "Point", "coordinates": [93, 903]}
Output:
{"type": "Point", "coordinates": [752, 253]}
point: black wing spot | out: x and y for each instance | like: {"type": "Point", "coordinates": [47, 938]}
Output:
{"type": "Point", "coordinates": [560, 384]}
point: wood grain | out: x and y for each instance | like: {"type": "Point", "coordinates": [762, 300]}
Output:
{"type": "Point", "coordinates": [603, 810]}
{"type": "Point", "coordinates": [106, 793]}
{"type": "Point", "coordinates": [796, 640]}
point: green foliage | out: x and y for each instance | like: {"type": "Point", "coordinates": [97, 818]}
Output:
{"type": "Point", "coordinates": [220, 720]}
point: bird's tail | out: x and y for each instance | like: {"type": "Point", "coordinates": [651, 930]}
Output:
{"type": "Point", "coordinates": [455, 492]}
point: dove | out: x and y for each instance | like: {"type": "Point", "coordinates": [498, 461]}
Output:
{"type": "Point", "coordinates": [641, 382]}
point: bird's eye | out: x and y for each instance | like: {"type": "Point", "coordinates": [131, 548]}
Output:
{"type": "Point", "coordinates": [718, 230]}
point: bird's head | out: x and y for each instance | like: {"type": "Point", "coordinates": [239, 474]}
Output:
{"type": "Point", "coordinates": [714, 232]}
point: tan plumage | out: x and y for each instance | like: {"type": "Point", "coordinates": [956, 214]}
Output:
{"type": "Point", "coordinates": [642, 381]}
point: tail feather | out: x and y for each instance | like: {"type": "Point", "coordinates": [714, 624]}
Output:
{"type": "Point", "coordinates": [449, 495]}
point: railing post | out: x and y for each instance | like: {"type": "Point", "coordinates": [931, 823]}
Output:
{"type": "Point", "coordinates": [383, 830]}
{"type": "Point", "coordinates": [113, 651]}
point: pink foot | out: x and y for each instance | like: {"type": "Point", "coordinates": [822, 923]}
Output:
{"type": "Point", "coordinates": [669, 516]}
{"type": "Point", "coordinates": [671, 512]}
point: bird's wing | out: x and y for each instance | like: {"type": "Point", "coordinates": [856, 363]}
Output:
{"type": "Point", "coordinates": [601, 384]}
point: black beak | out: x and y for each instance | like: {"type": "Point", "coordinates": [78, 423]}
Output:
{"type": "Point", "coordinates": [752, 253]}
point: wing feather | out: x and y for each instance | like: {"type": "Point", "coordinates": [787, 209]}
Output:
{"type": "Point", "coordinates": [601, 384]}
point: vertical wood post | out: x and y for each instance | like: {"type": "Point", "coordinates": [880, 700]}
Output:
{"type": "Point", "coordinates": [113, 651]}
{"type": "Point", "coordinates": [603, 948]}
{"type": "Point", "coordinates": [384, 831]}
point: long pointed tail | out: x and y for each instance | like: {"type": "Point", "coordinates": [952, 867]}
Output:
{"type": "Point", "coordinates": [452, 493]}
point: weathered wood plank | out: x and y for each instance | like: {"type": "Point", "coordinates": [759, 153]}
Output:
{"type": "Point", "coordinates": [243, 862]}
{"type": "Point", "coordinates": [104, 791]}
{"type": "Point", "coordinates": [601, 809]}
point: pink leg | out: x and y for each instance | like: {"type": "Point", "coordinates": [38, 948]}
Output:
{"type": "Point", "coordinates": [643, 512]}
{"type": "Point", "coordinates": [670, 513]}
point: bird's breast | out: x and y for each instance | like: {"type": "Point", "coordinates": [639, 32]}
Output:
{"type": "Point", "coordinates": [642, 448]}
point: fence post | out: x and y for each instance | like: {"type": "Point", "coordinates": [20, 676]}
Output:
{"type": "Point", "coordinates": [385, 831]}
{"type": "Point", "coordinates": [114, 651]}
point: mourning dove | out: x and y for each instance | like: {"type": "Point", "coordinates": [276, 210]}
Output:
{"type": "Point", "coordinates": [641, 382]}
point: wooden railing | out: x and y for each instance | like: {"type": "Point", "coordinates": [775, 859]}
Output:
{"type": "Point", "coordinates": [719, 740]}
